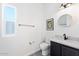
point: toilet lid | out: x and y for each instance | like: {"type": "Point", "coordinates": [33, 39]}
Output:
{"type": "Point", "coordinates": [44, 45]}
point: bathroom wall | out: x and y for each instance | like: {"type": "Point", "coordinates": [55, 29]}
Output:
{"type": "Point", "coordinates": [28, 14]}
{"type": "Point", "coordinates": [53, 10]}
{"type": "Point", "coordinates": [73, 30]}
{"type": "Point", "coordinates": [50, 10]}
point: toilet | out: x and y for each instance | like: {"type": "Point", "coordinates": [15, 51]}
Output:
{"type": "Point", "coordinates": [45, 48]}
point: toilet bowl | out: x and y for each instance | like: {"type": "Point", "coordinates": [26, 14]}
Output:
{"type": "Point", "coordinates": [44, 48]}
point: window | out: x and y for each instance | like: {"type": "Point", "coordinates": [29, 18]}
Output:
{"type": "Point", "coordinates": [8, 20]}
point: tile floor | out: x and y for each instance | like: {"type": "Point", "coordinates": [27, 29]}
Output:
{"type": "Point", "coordinates": [39, 53]}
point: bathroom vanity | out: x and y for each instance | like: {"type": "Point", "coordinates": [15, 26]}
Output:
{"type": "Point", "coordinates": [64, 47]}
{"type": "Point", "coordinates": [64, 23]}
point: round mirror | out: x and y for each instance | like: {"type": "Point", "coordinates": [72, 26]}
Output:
{"type": "Point", "coordinates": [65, 20]}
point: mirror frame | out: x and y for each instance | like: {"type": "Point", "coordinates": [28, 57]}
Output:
{"type": "Point", "coordinates": [66, 22]}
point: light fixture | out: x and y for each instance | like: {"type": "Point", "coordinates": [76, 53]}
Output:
{"type": "Point", "coordinates": [65, 5]}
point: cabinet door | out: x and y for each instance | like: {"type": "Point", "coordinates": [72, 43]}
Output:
{"type": "Point", "coordinates": [69, 51]}
{"type": "Point", "coordinates": [55, 49]}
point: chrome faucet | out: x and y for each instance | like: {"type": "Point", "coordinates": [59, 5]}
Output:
{"type": "Point", "coordinates": [65, 36]}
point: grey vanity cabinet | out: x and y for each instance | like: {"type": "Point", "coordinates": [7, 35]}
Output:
{"type": "Point", "coordinates": [57, 49]}
{"type": "Point", "coordinates": [69, 51]}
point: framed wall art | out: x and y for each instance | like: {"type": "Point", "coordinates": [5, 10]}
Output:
{"type": "Point", "coordinates": [50, 24]}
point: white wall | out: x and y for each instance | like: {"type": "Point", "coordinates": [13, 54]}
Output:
{"type": "Point", "coordinates": [73, 30]}
{"type": "Point", "coordinates": [50, 10]}
{"type": "Point", "coordinates": [29, 14]}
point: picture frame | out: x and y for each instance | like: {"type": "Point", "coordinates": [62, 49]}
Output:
{"type": "Point", "coordinates": [50, 24]}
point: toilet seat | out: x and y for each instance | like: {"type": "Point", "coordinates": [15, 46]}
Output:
{"type": "Point", "coordinates": [44, 46]}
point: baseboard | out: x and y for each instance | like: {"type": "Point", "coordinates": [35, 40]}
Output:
{"type": "Point", "coordinates": [30, 53]}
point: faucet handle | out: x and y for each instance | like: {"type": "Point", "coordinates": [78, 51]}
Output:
{"type": "Point", "coordinates": [65, 37]}
{"type": "Point", "coordinates": [64, 34]}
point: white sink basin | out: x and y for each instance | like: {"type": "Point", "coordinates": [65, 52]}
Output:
{"type": "Point", "coordinates": [69, 38]}
{"type": "Point", "coordinates": [73, 39]}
